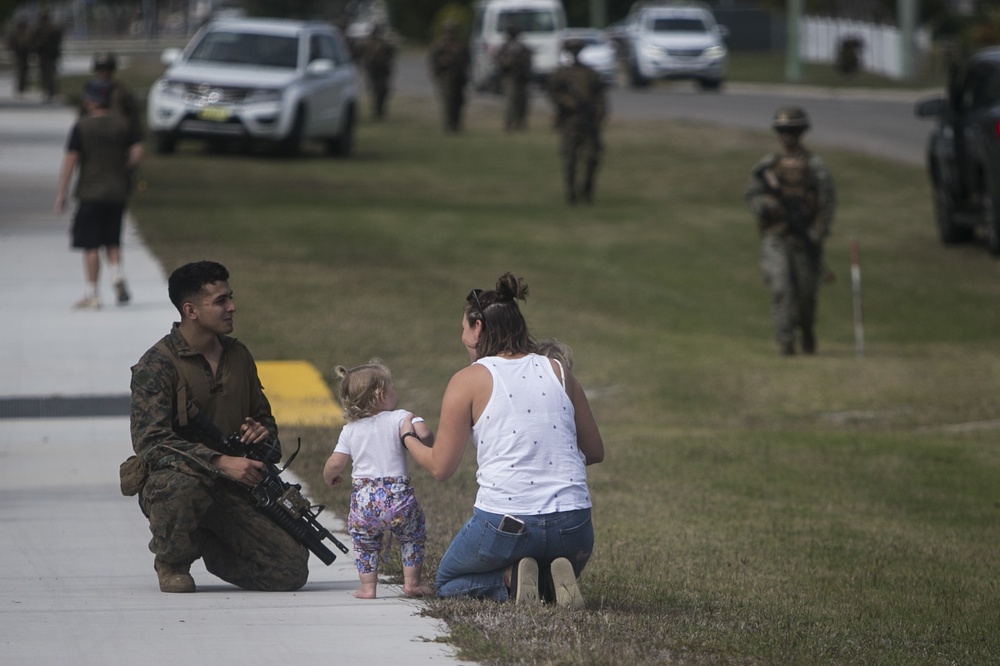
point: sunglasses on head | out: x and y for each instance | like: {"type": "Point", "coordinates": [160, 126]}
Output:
{"type": "Point", "coordinates": [474, 297]}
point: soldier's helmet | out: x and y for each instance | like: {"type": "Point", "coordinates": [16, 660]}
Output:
{"type": "Point", "coordinates": [791, 118]}
{"type": "Point", "coordinates": [105, 62]}
{"type": "Point", "coordinates": [574, 45]}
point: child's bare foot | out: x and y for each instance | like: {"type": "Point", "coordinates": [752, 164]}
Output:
{"type": "Point", "coordinates": [417, 590]}
{"type": "Point", "coordinates": [366, 591]}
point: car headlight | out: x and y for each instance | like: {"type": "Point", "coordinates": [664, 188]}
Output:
{"type": "Point", "coordinates": [651, 51]}
{"type": "Point", "coordinates": [172, 88]}
{"type": "Point", "coordinates": [717, 51]}
{"type": "Point", "coordinates": [260, 95]}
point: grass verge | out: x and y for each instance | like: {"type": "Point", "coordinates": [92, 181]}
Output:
{"type": "Point", "coordinates": [752, 508]}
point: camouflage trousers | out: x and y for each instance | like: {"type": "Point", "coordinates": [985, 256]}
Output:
{"type": "Point", "coordinates": [516, 111]}
{"type": "Point", "coordinates": [192, 516]}
{"type": "Point", "coordinates": [452, 99]}
{"type": "Point", "coordinates": [580, 143]}
{"type": "Point", "coordinates": [378, 86]}
{"type": "Point", "coordinates": [791, 273]}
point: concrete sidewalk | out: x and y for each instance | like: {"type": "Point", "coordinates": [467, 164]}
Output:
{"type": "Point", "coordinates": [76, 578]}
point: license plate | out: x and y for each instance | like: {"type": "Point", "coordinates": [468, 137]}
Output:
{"type": "Point", "coordinates": [214, 113]}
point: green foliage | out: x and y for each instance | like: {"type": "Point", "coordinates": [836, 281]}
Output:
{"type": "Point", "coordinates": [752, 508]}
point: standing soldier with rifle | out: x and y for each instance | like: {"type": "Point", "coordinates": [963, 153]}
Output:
{"type": "Point", "coordinates": [377, 54]}
{"type": "Point", "coordinates": [449, 61]}
{"type": "Point", "coordinates": [514, 65]}
{"type": "Point", "coordinates": [194, 495]}
{"type": "Point", "coordinates": [792, 196]}
{"type": "Point", "coordinates": [577, 92]}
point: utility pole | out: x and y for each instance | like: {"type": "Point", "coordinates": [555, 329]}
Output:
{"type": "Point", "coordinates": [907, 10]}
{"type": "Point", "coordinates": [793, 57]}
{"type": "Point", "coordinates": [598, 17]}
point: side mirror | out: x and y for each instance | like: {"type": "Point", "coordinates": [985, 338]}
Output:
{"type": "Point", "coordinates": [320, 67]}
{"type": "Point", "coordinates": [931, 107]}
{"type": "Point", "coordinates": [170, 56]}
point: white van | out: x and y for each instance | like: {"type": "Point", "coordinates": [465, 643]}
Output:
{"type": "Point", "coordinates": [541, 23]}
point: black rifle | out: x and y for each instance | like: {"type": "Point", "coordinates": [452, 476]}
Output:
{"type": "Point", "coordinates": [280, 501]}
{"type": "Point", "coordinates": [798, 218]}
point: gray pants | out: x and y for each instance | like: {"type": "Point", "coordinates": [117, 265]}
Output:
{"type": "Point", "coordinates": [791, 273]}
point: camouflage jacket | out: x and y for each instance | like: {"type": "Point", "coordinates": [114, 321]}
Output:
{"type": "Point", "coordinates": [766, 195]}
{"type": "Point", "coordinates": [449, 61]}
{"type": "Point", "coordinates": [578, 95]}
{"type": "Point", "coordinates": [171, 376]}
{"type": "Point", "coordinates": [377, 54]}
{"type": "Point", "coordinates": [514, 61]}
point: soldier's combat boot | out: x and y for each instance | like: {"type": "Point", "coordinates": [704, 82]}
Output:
{"type": "Point", "coordinates": [174, 577]}
{"type": "Point", "coordinates": [808, 342]}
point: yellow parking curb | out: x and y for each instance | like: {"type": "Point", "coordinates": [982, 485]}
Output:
{"type": "Point", "coordinates": [298, 394]}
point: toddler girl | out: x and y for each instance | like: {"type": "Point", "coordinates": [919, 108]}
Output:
{"type": "Point", "coordinates": [382, 499]}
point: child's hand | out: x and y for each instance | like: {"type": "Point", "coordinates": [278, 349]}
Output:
{"type": "Point", "coordinates": [406, 425]}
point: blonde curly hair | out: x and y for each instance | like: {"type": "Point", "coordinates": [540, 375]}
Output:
{"type": "Point", "coordinates": [362, 388]}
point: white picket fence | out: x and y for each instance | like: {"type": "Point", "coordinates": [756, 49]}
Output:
{"type": "Point", "coordinates": [881, 51]}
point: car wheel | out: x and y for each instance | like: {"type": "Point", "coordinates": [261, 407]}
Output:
{"type": "Point", "coordinates": [991, 219]}
{"type": "Point", "coordinates": [635, 77]}
{"type": "Point", "coordinates": [343, 144]}
{"type": "Point", "coordinates": [944, 216]}
{"type": "Point", "coordinates": [291, 145]}
{"type": "Point", "coordinates": [166, 143]}
{"type": "Point", "coordinates": [709, 84]}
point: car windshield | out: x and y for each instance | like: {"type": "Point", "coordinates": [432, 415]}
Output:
{"type": "Point", "coordinates": [679, 25]}
{"type": "Point", "coordinates": [526, 20]}
{"type": "Point", "coordinates": [237, 48]}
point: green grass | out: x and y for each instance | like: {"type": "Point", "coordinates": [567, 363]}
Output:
{"type": "Point", "coordinates": [752, 508]}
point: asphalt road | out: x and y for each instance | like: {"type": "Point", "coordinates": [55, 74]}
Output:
{"type": "Point", "coordinates": [877, 122]}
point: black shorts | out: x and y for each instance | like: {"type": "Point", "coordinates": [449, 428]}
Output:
{"type": "Point", "coordinates": [97, 224]}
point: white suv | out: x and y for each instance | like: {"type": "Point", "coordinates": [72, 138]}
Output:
{"type": "Point", "coordinates": [250, 80]}
{"type": "Point", "coordinates": [674, 41]}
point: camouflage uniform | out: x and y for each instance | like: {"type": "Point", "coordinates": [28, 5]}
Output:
{"type": "Point", "coordinates": [193, 510]}
{"type": "Point", "coordinates": [377, 54]}
{"type": "Point", "coordinates": [792, 196]}
{"type": "Point", "coordinates": [19, 43]}
{"type": "Point", "coordinates": [47, 40]}
{"type": "Point", "coordinates": [514, 65]}
{"type": "Point", "coordinates": [449, 63]}
{"type": "Point", "coordinates": [577, 92]}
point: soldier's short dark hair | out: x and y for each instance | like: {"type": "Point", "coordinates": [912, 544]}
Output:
{"type": "Point", "coordinates": [186, 282]}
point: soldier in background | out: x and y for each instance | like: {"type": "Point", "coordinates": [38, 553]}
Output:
{"type": "Point", "coordinates": [47, 43]}
{"type": "Point", "coordinates": [792, 196]}
{"type": "Point", "coordinates": [378, 54]}
{"type": "Point", "coordinates": [577, 92]}
{"type": "Point", "coordinates": [513, 62]}
{"type": "Point", "coordinates": [449, 63]}
{"type": "Point", "coordinates": [19, 42]}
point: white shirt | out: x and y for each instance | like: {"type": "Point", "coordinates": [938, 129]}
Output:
{"type": "Point", "coordinates": [529, 461]}
{"type": "Point", "coordinates": [374, 447]}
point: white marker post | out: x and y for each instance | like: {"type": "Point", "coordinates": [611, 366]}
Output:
{"type": "Point", "coordinates": [859, 327]}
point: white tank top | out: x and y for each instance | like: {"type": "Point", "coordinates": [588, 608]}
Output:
{"type": "Point", "coordinates": [529, 461]}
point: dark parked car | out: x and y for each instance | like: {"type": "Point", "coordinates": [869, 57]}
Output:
{"type": "Point", "coordinates": [963, 154]}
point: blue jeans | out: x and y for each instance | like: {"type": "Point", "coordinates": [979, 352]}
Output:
{"type": "Point", "coordinates": [474, 564]}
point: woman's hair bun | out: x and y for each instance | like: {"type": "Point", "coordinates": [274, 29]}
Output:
{"type": "Point", "coordinates": [509, 287]}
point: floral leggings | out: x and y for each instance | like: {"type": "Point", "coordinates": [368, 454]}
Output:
{"type": "Point", "coordinates": [383, 505]}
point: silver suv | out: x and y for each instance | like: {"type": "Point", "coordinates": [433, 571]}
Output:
{"type": "Point", "coordinates": [673, 41]}
{"type": "Point", "coordinates": [257, 80]}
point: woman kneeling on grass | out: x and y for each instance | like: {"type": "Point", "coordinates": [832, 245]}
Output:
{"type": "Point", "coordinates": [530, 534]}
